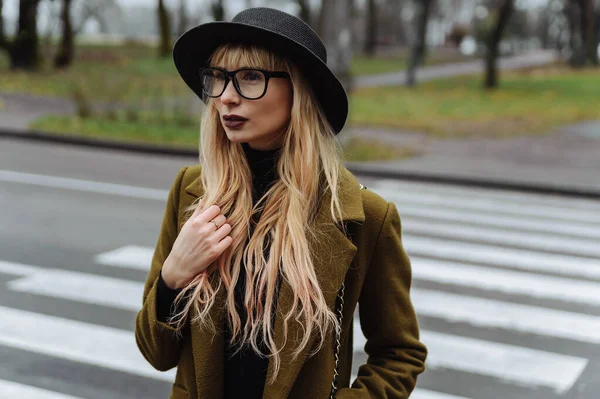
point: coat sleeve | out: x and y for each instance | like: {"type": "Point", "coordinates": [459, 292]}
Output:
{"type": "Point", "coordinates": [388, 321]}
{"type": "Point", "coordinates": [159, 342]}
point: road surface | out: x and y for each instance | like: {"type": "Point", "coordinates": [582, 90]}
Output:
{"type": "Point", "coordinates": [506, 285]}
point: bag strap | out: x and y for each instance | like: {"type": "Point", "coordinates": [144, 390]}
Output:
{"type": "Point", "coordinates": [338, 331]}
{"type": "Point", "coordinates": [338, 339]}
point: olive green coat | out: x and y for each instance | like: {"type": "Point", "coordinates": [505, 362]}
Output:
{"type": "Point", "coordinates": [377, 276]}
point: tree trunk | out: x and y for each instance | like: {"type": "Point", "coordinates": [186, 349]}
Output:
{"type": "Point", "coordinates": [66, 52]}
{"type": "Point", "coordinates": [371, 28]}
{"type": "Point", "coordinates": [218, 10]}
{"type": "Point", "coordinates": [305, 11]}
{"type": "Point", "coordinates": [3, 41]}
{"type": "Point", "coordinates": [337, 38]}
{"type": "Point", "coordinates": [570, 13]}
{"type": "Point", "coordinates": [588, 30]}
{"type": "Point", "coordinates": [164, 24]}
{"type": "Point", "coordinates": [182, 18]}
{"type": "Point", "coordinates": [417, 53]}
{"type": "Point", "coordinates": [24, 51]}
{"type": "Point", "coordinates": [493, 44]}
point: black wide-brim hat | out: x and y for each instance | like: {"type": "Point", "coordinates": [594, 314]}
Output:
{"type": "Point", "coordinates": [276, 30]}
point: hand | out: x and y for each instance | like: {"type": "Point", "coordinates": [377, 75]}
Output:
{"type": "Point", "coordinates": [196, 247]}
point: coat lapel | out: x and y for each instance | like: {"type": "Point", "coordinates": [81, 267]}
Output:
{"type": "Point", "coordinates": [332, 253]}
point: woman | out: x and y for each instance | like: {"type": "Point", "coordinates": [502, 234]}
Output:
{"type": "Point", "coordinates": [268, 245]}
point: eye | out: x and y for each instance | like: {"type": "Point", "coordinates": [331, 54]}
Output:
{"type": "Point", "coordinates": [219, 75]}
{"type": "Point", "coordinates": [251, 76]}
{"type": "Point", "coordinates": [213, 74]}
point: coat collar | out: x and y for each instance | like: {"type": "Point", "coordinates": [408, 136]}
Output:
{"type": "Point", "coordinates": [332, 253]}
{"type": "Point", "coordinates": [350, 198]}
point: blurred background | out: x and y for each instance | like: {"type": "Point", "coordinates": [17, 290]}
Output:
{"type": "Point", "coordinates": [433, 68]}
{"type": "Point", "coordinates": [478, 119]}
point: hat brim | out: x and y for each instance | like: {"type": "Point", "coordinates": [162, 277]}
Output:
{"type": "Point", "coordinates": [193, 49]}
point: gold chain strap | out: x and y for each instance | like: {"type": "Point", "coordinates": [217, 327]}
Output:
{"type": "Point", "coordinates": [338, 334]}
{"type": "Point", "coordinates": [338, 340]}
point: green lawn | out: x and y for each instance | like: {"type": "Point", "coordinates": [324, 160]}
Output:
{"type": "Point", "coordinates": [121, 130]}
{"type": "Point", "coordinates": [103, 73]}
{"type": "Point", "coordinates": [362, 65]}
{"type": "Point", "coordinates": [527, 102]}
{"type": "Point", "coordinates": [133, 71]}
{"type": "Point", "coordinates": [355, 150]}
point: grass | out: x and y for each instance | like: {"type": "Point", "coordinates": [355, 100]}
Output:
{"type": "Point", "coordinates": [105, 73]}
{"type": "Point", "coordinates": [121, 130]}
{"type": "Point", "coordinates": [361, 150]}
{"type": "Point", "coordinates": [532, 101]}
{"type": "Point", "coordinates": [133, 71]}
{"type": "Point", "coordinates": [355, 150]}
{"type": "Point", "coordinates": [362, 65]}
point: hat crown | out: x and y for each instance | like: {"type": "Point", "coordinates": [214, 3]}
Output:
{"type": "Point", "coordinates": [283, 24]}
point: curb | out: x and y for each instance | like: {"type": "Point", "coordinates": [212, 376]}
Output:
{"type": "Point", "coordinates": [97, 143]}
{"type": "Point", "coordinates": [533, 187]}
{"type": "Point", "coordinates": [365, 169]}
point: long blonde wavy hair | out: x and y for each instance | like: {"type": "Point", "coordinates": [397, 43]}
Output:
{"type": "Point", "coordinates": [308, 164]}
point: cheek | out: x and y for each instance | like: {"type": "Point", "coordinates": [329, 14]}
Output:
{"type": "Point", "coordinates": [277, 113]}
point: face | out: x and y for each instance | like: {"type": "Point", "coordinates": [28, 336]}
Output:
{"type": "Point", "coordinates": [266, 119]}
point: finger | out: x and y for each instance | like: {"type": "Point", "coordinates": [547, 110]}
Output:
{"type": "Point", "coordinates": [223, 244]}
{"type": "Point", "coordinates": [196, 211]}
{"type": "Point", "coordinates": [209, 214]}
{"type": "Point", "coordinates": [223, 231]}
{"type": "Point", "coordinates": [219, 220]}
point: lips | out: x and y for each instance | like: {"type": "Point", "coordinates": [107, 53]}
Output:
{"type": "Point", "coordinates": [233, 120]}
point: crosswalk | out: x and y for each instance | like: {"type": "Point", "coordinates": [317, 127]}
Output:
{"type": "Point", "coordinates": [506, 287]}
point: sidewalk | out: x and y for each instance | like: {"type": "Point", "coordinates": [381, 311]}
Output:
{"type": "Point", "coordinates": [566, 159]}
{"type": "Point", "coordinates": [536, 58]}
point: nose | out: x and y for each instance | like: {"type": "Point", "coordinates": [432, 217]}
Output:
{"type": "Point", "coordinates": [230, 95]}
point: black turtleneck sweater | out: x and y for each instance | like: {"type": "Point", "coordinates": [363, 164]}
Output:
{"type": "Point", "coordinates": [245, 371]}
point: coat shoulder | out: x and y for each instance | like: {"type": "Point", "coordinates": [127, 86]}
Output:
{"type": "Point", "coordinates": [191, 174]}
{"type": "Point", "coordinates": [191, 183]}
{"type": "Point", "coordinates": [375, 207]}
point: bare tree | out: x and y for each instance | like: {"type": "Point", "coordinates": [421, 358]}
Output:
{"type": "Point", "coordinates": [371, 28]}
{"type": "Point", "coordinates": [23, 50]}
{"type": "Point", "coordinates": [94, 9]}
{"type": "Point", "coordinates": [218, 9]}
{"type": "Point", "coordinates": [336, 34]}
{"type": "Point", "coordinates": [493, 43]}
{"type": "Point", "coordinates": [305, 14]}
{"type": "Point", "coordinates": [417, 53]}
{"type": "Point", "coordinates": [164, 24]}
{"type": "Point", "coordinates": [588, 31]}
{"type": "Point", "coordinates": [182, 18]}
{"type": "Point", "coordinates": [3, 42]}
{"type": "Point", "coordinates": [66, 51]}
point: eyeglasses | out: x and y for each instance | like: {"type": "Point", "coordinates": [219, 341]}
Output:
{"type": "Point", "coordinates": [250, 83]}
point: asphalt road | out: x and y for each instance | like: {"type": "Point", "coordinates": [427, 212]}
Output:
{"type": "Point", "coordinates": [506, 285]}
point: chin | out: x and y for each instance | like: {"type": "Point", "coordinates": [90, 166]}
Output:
{"type": "Point", "coordinates": [236, 138]}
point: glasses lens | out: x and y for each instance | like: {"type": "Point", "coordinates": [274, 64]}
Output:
{"type": "Point", "coordinates": [213, 82]}
{"type": "Point", "coordinates": [251, 83]}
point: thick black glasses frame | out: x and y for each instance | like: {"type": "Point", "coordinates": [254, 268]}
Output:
{"type": "Point", "coordinates": [231, 77]}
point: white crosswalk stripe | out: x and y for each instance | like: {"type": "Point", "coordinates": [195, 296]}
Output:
{"type": "Point", "coordinates": [12, 390]}
{"type": "Point", "coordinates": [130, 256]}
{"type": "Point", "coordinates": [508, 362]}
{"type": "Point", "coordinates": [467, 248]}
